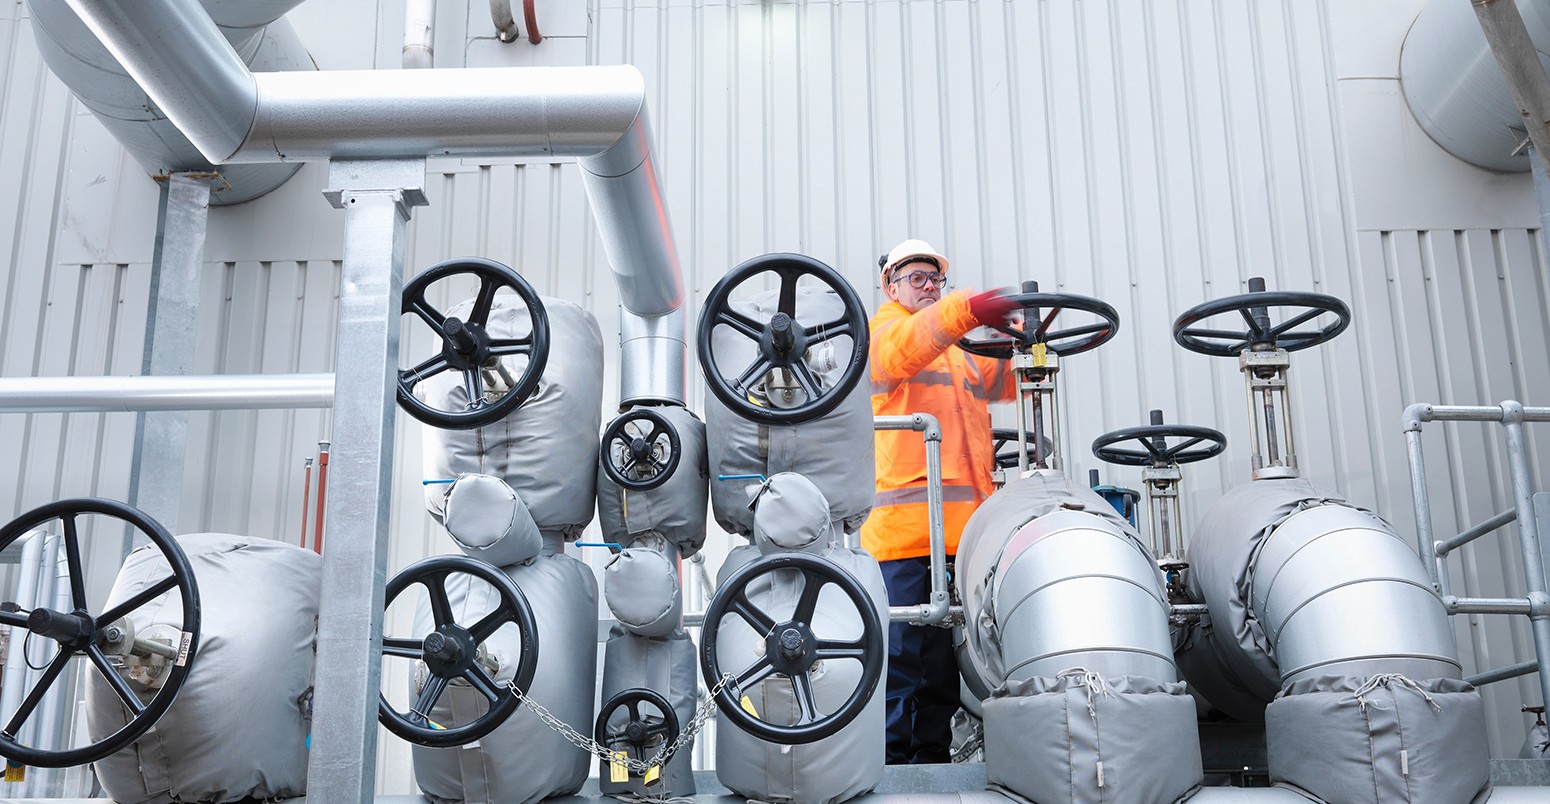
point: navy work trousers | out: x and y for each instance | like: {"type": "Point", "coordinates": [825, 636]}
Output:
{"type": "Point", "coordinates": [922, 672]}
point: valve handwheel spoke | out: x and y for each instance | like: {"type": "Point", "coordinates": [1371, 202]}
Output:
{"type": "Point", "coordinates": [78, 633]}
{"type": "Point", "coordinates": [467, 346]}
{"type": "Point", "coordinates": [791, 648]}
{"type": "Point", "coordinates": [640, 450]}
{"type": "Point", "coordinates": [1047, 308]}
{"type": "Point", "coordinates": [639, 730]}
{"type": "Point", "coordinates": [451, 651]}
{"type": "Point", "coordinates": [1196, 331]}
{"type": "Point", "coordinates": [782, 342]}
{"type": "Point", "coordinates": [1154, 449]}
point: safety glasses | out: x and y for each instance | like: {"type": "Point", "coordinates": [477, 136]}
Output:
{"type": "Point", "coordinates": [918, 279]}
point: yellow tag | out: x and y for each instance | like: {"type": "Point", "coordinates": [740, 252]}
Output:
{"type": "Point", "coordinates": [1040, 354]}
{"type": "Point", "coordinates": [748, 706]}
{"type": "Point", "coordinates": [617, 771]}
{"type": "Point", "coordinates": [15, 771]}
{"type": "Point", "coordinates": [653, 775]}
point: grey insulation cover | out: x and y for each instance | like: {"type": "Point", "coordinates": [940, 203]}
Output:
{"type": "Point", "coordinates": [834, 451]}
{"type": "Point", "coordinates": [487, 519]}
{"type": "Point", "coordinates": [522, 760]}
{"type": "Point", "coordinates": [986, 534]}
{"type": "Point", "coordinates": [674, 510]}
{"type": "Point", "coordinates": [1537, 744]}
{"type": "Point", "coordinates": [1352, 740]}
{"type": "Point", "coordinates": [259, 602]}
{"type": "Point", "coordinates": [1082, 739]}
{"type": "Point", "coordinates": [667, 667]}
{"type": "Point", "coordinates": [1242, 676]}
{"type": "Point", "coordinates": [641, 588]}
{"type": "Point", "coordinates": [547, 449]}
{"type": "Point", "coordinates": [836, 768]}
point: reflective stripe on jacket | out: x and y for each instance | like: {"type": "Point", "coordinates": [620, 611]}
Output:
{"type": "Point", "coordinates": [916, 368]}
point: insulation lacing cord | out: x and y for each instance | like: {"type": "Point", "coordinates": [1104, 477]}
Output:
{"type": "Point", "coordinates": [1387, 681]}
{"type": "Point", "coordinates": [1095, 685]}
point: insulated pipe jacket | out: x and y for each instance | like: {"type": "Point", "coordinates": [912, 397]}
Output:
{"type": "Point", "coordinates": [1298, 584]}
{"type": "Point", "coordinates": [1052, 579]}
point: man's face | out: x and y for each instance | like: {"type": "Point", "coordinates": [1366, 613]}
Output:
{"type": "Point", "coordinates": [902, 285]}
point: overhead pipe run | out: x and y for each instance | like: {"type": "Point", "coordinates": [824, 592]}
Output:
{"type": "Point", "coordinates": [596, 115]}
{"type": "Point", "coordinates": [253, 31]}
{"type": "Point", "coordinates": [183, 392]}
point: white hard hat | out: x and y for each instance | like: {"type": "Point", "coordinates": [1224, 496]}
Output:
{"type": "Point", "coordinates": [912, 251]}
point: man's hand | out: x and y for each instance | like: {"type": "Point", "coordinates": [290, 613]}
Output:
{"type": "Point", "coordinates": [993, 307]}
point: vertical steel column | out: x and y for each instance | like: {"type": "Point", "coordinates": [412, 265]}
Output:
{"type": "Point", "coordinates": [1542, 195]}
{"type": "Point", "coordinates": [378, 198]}
{"type": "Point", "coordinates": [1528, 537]}
{"type": "Point", "coordinates": [1415, 415]}
{"type": "Point", "coordinates": [171, 334]}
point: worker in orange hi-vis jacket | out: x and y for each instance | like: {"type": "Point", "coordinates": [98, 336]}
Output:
{"type": "Point", "coordinates": [918, 368]}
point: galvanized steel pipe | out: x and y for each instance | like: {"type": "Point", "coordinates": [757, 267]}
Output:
{"type": "Point", "coordinates": [185, 392]}
{"type": "Point", "coordinates": [930, 429]}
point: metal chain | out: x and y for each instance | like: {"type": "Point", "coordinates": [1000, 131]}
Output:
{"type": "Point", "coordinates": [706, 710]}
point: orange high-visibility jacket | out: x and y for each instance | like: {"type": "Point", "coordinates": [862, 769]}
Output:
{"type": "Point", "coordinates": [917, 368]}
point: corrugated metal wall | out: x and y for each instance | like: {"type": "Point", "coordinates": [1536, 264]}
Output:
{"type": "Point", "coordinates": [1155, 155]}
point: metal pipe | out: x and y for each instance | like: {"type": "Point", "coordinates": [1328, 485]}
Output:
{"type": "Point", "coordinates": [1518, 59]}
{"type": "Point", "coordinates": [306, 495]}
{"type": "Point", "coordinates": [500, 17]}
{"type": "Point", "coordinates": [931, 429]}
{"type": "Point", "coordinates": [594, 114]}
{"type": "Point", "coordinates": [255, 33]}
{"type": "Point", "coordinates": [419, 35]}
{"type": "Point", "coordinates": [1503, 673]}
{"type": "Point", "coordinates": [1457, 90]}
{"type": "Point", "coordinates": [51, 713]}
{"type": "Point", "coordinates": [1528, 538]}
{"type": "Point", "coordinates": [1488, 605]}
{"type": "Point", "coordinates": [18, 677]}
{"type": "Point", "coordinates": [118, 394]}
{"type": "Point", "coordinates": [317, 538]}
{"type": "Point", "coordinates": [530, 16]}
{"type": "Point", "coordinates": [1449, 545]}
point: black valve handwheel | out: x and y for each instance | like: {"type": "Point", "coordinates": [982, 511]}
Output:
{"type": "Point", "coordinates": [467, 347]}
{"type": "Point", "coordinates": [1199, 443]}
{"type": "Point", "coordinates": [1193, 331]}
{"type": "Point", "coordinates": [451, 652]}
{"type": "Point", "coordinates": [1003, 443]}
{"type": "Point", "coordinates": [639, 731]}
{"type": "Point", "coordinates": [1045, 309]}
{"type": "Point", "coordinates": [791, 648]}
{"type": "Point", "coordinates": [783, 341]}
{"type": "Point", "coordinates": [78, 632]}
{"type": "Point", "coordinates": [640, 450]}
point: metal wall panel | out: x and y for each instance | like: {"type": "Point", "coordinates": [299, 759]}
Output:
{"type": "Point", "coordinates": [1153, 154]}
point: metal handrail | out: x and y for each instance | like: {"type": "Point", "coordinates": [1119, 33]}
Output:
{"type": "Point", "coordinates": [1511, 415]}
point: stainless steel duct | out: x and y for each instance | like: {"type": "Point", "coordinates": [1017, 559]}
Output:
{"type": "Point", "coordinates": [253, 32]}
{"type": "Point", "coordinates": [1455, 88]}
{"type": "Point", "coordinates": [596, 115]}
{"type": "Point", "coordinates": [1338, 592]}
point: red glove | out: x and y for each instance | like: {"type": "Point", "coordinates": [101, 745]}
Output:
{"type": "Point", "coordinates": [992, 308]}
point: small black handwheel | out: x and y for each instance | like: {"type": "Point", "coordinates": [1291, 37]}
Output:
{"type": "Point", "coordinates": [1045, 308]}
{"type": "Point", "coordinates": [78, 632]}
{"type": "Point", "coordinates": [451, 652]}
{"type": "Point", "coordinates": [791, 648]}
{"type": "Point", "coordinates": [783, 343]}
{"type": "Point", "coordinates": [639, 731]}
{"type": "Point", "coordinates": [1199, 443]}
{"type": "Point", "coordinates": [640, 450]}
{"type": "Point", "coordinates": [1192, 330]}
{"type": "Point", "coordinates": [1003, 442]}
{"type": "Point", "coordinates": [467, 347]}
